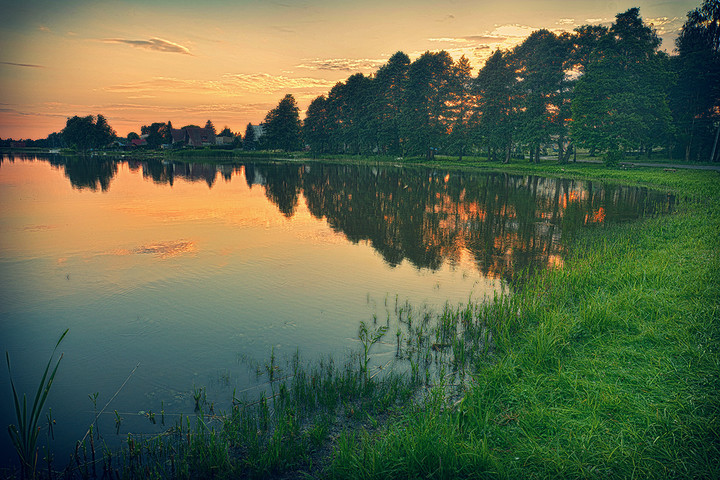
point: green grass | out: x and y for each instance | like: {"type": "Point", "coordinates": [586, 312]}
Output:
{"type": "Point", "coordinates": [613, 371]}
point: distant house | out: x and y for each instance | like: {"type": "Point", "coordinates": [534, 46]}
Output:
{"type": "Point", "coordinates": [178, 135]}
{"type": "Point", "coordinates": [193, 137]}
{"type": "Point", "coordinates": [223, 140]}
{"type": "Point", "coordinates": [139, 142]}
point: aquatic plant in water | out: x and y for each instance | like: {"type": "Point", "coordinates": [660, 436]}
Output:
{"type": "Point", "coordinates": [24, 435]}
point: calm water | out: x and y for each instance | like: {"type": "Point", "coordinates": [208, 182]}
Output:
{"type": "Point", "coordinates": [194, 272]}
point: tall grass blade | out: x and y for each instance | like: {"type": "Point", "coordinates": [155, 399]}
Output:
{"type": "Point", "coordinates": [24, 435]}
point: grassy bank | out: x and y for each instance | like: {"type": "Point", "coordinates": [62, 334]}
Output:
{"type": "Point", "coordinates": [614, 371]}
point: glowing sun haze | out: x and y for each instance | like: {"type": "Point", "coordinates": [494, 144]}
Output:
{"type": "Point", "coordinates": [138, 62]}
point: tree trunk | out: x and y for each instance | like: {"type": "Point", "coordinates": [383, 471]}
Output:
{"type": "Point", "coordinates": [717, 134]}
{"type": "Point", "coordinates": [688, 147]}
{"type": "Point", "coordinates": [507, 152]}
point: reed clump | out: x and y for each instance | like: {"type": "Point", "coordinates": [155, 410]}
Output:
{"type": "Point", "coordinates": [24, 435]}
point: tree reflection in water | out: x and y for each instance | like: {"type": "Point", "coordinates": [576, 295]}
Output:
{"type": "Point", "coordinates": [507, 223]}
{"type": "Point", "coordinates": [428, 216]}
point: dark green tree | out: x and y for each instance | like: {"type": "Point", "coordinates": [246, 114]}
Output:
{"type": "Point", "coordinates": [620, 102]}
{"type": "Point", "coordinates": [696, 95]}
{"type": "Point", "coordinates": [461, 106]}
{"type": "Point", "coordinates": [584, 44]}
{"type": "Point", "coordinates": [167, 138]}
{"type": "Point", "coordinates": [315, 125]}
{"type": "Point", "coordinates": [249, 140]}
{"type": "Point", "coordinates": [496, 87]}
{"type": "Point", "coordinates": [55, 140]}
{"type": "Point", "coordinates": [104, 134]}
{"type": "Point", "coordinates": [209, 125]}
{"type": "Point", "coordinates": [226, 133]}
{"type": "Point", "coordinates": [283, 129]}
{"type": "Point", "coordinates": [155, 132]}
{"type": "Point", "coordinates": [79, 132]}
{"type": "Point", "coordinates": [424, 109]}
{"type": "Point", "coordinates": [389, 87]}
{"type": "Point", "coordinates": [350, 114]}
{"type": "Point", "coordinates": [85, 133]}
{"type": "Point", "coordinates": [539, 64]}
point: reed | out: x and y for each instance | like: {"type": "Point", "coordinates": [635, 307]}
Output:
{"type": "Point", "coordinates": [24, 435]}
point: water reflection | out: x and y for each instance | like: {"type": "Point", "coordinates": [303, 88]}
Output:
{"type": "Point", "coordinates": [425, 216]}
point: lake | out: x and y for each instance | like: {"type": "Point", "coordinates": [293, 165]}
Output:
{"type": "Point", "coordinates": [198, 273]}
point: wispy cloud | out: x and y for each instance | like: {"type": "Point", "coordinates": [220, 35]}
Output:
{"type": "Point", "coordinates": [229, 85]}
{"type": "Point", "coordinates": [156, 44]}
{"type": "Point", "coordinates": [263, 82]}
{"type": "Point", "coordinates": [513, 31]}
{"type": "Point", "coordinates": [470, 39]}
{"type": "Point", "coordinates": [478, 47]}
{"type": "Point", "coordinates": [342, 64]}
{"type": "Point", "coordinates": [163, 84]}
{"type": "Point", "coordinates": [26, 65]}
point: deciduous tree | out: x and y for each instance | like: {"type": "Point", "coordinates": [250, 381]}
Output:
{"type": "Point", "coordinates": [496, 86]}
{"type": "Point", "coordinates": [620, 102]}
{"type": "Point", "coordinates": [85, 133]}
{"type": "Point", "coordinates": [389, 92]}
{"type": "Point", "coordinates": [424, 113]}
{"type": "Point", "coordinates": [696, 96]}
{"type": "Point", "coordinates": [315, 126]}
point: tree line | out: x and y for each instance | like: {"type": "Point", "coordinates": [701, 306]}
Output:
{"type": "Point", "coordinates": [609, 90]}
{"type": "Point", "coordinates": [606, 89]}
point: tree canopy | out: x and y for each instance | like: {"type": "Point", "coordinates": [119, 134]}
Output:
{"type": "Point", "coordinates": [608, 89]}
{"type": "Point", "coordinates": [283, 127]}
{"type": "Point", "coordinates": [86, 133]}
{"type": "Point", "coordinates": [696, 96]}
{"type": "Point", "coordinates": [620, 102]}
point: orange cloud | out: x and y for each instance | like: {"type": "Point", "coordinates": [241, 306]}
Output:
{"type": "Point", "coordinates": [156, 44]}
{"type": "Point", "coordinates": [26, 65]}
{"type": "Point", "coordinates": [342, 64]}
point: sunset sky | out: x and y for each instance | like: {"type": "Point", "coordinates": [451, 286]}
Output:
{"type": "Point", "coordinates": [138, 62]}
